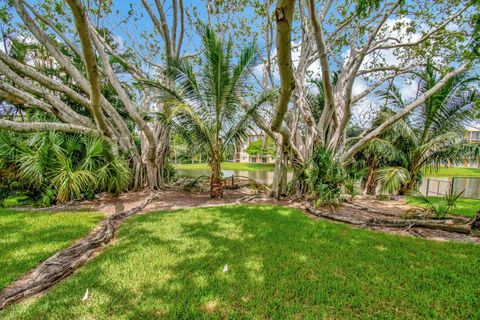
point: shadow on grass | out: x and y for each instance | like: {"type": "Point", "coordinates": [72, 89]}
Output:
{"type": "Point", "coordinates": [281, 265]}
{"type": "Point", "coordinates": [28, 238]}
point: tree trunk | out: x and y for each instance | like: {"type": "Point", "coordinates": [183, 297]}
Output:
{"type": "Point", "coordinates": [216, 186]}
{"type": "Point", "coordinates": [163, 148]}
{"type": "Point", "coordinates": [279, 186]}
{"type": "Point", "coordinates": [153, 173]}
{"type": "Point", "coordinates": [146, 172]}
{"type": "Point", "coordinates": [371, 182]}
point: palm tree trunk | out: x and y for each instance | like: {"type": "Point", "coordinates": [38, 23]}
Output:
{"type": "Point", "coordinates": [216, 185]}
{"type": "Point", "coordinates": [409, 188]}
{"type": "Point", "coordinates": [371, 182]}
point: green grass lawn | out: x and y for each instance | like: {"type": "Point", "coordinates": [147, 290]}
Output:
{"type": "Point", "coordinates": [229, 166]}
{"type": "Point", "coordinates": [27, 238]}
{"type": "Point", "coordinates": [464, 207]}
{"type": "Point", "coordinates": [282, 265]}
{"type": "Point", "coordinates": [454, 172]}
{"type": "Point", "coordinates": [441, 172]}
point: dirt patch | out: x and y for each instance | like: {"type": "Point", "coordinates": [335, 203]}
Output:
{"type": "Point", "coordinates": [167, 199]}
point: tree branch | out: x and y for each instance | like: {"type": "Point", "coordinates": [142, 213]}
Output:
{"type": "Point", "coordinates": [43, 126]}
{"type": "Point", "coordinates": [421, 99]}
{"type": "Point", "coordinates": [80, 16]}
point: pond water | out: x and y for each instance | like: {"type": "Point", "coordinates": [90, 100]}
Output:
{"type": "Point", "coordinates": [436, 186]}
{"type": "Point", "coordinates": [265, 177]}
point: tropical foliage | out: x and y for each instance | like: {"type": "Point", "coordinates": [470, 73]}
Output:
{"type": "Point", "coordinates": [62, 167]}
{"type": "Point", "coordinates": [326, 179]}
{"type": "Point", "coordinates": [440, 207]}
{"type": "Point", "coordinates": [429, 138]}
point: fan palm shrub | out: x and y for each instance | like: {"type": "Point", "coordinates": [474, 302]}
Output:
{"type": "Point", "coordinates": [63, 167]}
{"type": "Point", "coordinates": [207, 101]}
{"type": "Point", "coordinates": [326, 179]}
{"type": "Point", "coordinates": [440, 207]}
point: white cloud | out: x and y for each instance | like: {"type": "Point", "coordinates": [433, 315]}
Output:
{"type": "Point", "coordinates": [408, 89]}
{"type": "Point", "coordinates": [119, 42]}
{"type": "Point", "coordinates": [359, 86]}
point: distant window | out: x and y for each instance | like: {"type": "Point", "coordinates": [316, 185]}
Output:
{"type": "Point", "coordinates": [475, 135]}
{"type": "Point", "coordinates": [253, 159]}
{"type": "Point", "coordinates": [264, 160]}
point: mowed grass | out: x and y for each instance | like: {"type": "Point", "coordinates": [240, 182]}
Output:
{"type": "Point", "coordinates": [229, 166]}
{"type": "Point", "coordinates": [454, 172]}
{"type": "Point", "coordinates": [463, 206]}
{"type": "Point", "coordinates": [441, 172]}
{"type": "Point", "coordinates": [28, 238]}
{"type": "Point", "coordinates": [281, 265]}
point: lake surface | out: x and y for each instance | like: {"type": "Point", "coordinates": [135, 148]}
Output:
{"type": "Point", "coordinates": [436, 186]}
{"type": "Point", "coordinates": [265, 177]}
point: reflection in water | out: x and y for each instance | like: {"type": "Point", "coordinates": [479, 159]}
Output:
{"type": "Point", "coordinates": [265, 177]}
{"type": "Point", "coordinates": [437, 186]}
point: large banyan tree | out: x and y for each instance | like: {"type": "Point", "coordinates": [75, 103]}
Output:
{"type": "Point", "coordinates": [368, 44]}
{"type": "Point", "coordinates": [72, 72]}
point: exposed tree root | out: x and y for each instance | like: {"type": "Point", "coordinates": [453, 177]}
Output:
{"type": "Point", "coordinates": [65, 262]}
{"type": "Point", "coordinates": [474, 224]}
{"type": "Point", "coordinates": [445, 225]}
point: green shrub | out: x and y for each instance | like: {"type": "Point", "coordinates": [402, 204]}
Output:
{"type": "Point", "coordinates": [63, 167]}
{"type": "Point", "coordinates": [441, 207]}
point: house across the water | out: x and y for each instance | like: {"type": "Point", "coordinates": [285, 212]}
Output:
{"type": "Point", "coordinates": [242, 156]}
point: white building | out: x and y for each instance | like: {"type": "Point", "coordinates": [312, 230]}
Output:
{"type": "Point", "coordinates": [472, 135]}
{"type": "Point", "coordinates": [242, 156]}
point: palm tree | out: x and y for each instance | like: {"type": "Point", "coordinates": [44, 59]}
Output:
{"type": "Point", "coordinates": [437, 130]}
{"type": "Point", "coordinates": [208, 104]}
{"type": "Point", "coordinates": [383, 151]}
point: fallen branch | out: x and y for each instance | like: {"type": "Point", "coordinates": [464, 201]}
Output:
{"type": "Point", "coordinates": [445, 225]}
{"type": "Point", "coordinates": [368, 209]}
{"type": "Point", "coordinates": [65, 262]}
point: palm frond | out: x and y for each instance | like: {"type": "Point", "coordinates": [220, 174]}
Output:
{"type": "Point", "coordinates": [238, 133]}
{"type": "Point", "coordinates": [191, 126]}
{"type": "Point", "coordinates": [391, 179]}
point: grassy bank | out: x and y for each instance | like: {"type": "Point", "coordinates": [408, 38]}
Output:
{"type": "Point", "coordinates": [441, 172]}
{"type": "Point", "coordinates": [464, 207]}
{"type": "Point", "coordinates": [27, 238]}
{"type": "Point", "coordinates": [281, 265]}
{"type": "Point", "coordinates": [454, 172]}
{"type": "Point", "coordinates": [229, 166]}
